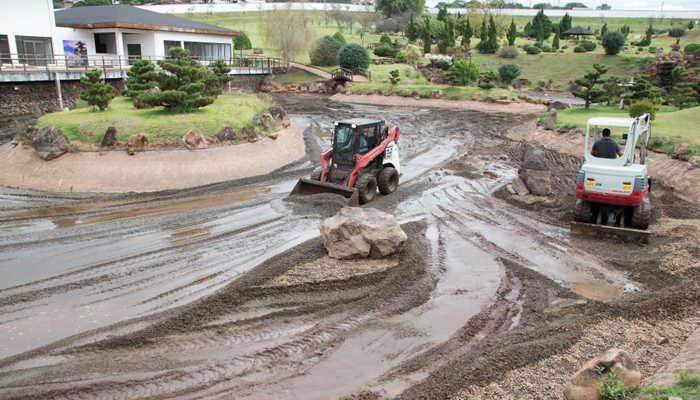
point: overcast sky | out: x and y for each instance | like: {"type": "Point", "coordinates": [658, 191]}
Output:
{"type": "Point", "coordinates": [630, 4]}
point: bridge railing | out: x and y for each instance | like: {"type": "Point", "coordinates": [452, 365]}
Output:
{"type": "Point", "coordinates": [349, 74]}
{"type": "Point", "coordinates": [41, 63]}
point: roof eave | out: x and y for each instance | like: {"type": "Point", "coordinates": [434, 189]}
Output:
{"type": "Point", "coordinates": [148, 27]}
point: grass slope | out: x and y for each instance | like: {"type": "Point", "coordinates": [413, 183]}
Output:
{"type": "Point", "coordinates": [87, 126]}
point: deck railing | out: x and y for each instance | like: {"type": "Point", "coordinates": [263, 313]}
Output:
{"type": "Point", "coordinates": [58, 63]}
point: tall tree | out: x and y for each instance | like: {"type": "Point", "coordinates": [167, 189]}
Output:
{"type": "Point", "coordinates": [426, 34]}
{"type": "Point", "coordinates": [96, 93]}
{"type": "Point", "coordinates": [542, 25]}
{"type": "Point", "coordinates": [512, 33]}
{"type": "Point", "coordinates": [140, 77]}
{"type": "Point", "coordinates": [411, 32]}
{"type": "Point", "coordinates": [565, 23]}
{"type": "Point", "coordinates": [648, 34]}
{"type": "Point", "coordinates": [604, 29]}
{"type": "Point", "coordinates": [286, 31]}
{"type": "Point", "coordinates": [398, 7]}
{"type": "Point", "coordinates": [442, 12]}
{"type": "Point", "coordinates": [589, 91]}
{"type": "Point", "coordinates": [555, 41]}
{"type": "Point", "coordinates": [493, 35]}
{"type": "Point", "coordinates": [466, 31]}
{"type": "Point", "coordinates": [613, 90]}
{"type": "Point", "coordinates": [484, 33]}
{"type": "Point", "coordinates": [677, 33]}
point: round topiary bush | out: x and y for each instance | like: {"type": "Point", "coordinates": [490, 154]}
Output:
{"type": "Point", "coordinates": [353, 56]}
{"type": "Point", "coordinates": [325, 51]}
{"type": "Point", "coordinates": [641, 107]}
{"type": "Point", "coordinates": [691, 48]}
{"type": "Point", "coordinates": [613, 43]}
{"type": "Point", "coordinates": [539, 44]}
{"type": "Point", "coordinates": [508, 73]}
{"type": "Point", "coordinates": [509, 52]}
{"type": "Point", "coordinates": [385, 50]}
{"type": "Point", "coordinates": [533, 50]}
{"type": "Point", "coordinates": [590, 46]}
{"type": "Point", "coordinates": [547, 49]}
{"type": "Point", "coordinates": [340, 38]}
{"type": "Point", "coordinates": [579, 49]}
{"type": "Point", "coordinates": [242, 42]}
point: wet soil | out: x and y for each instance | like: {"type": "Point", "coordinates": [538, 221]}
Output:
{"type": "Point", "coordinates": [225, 291]}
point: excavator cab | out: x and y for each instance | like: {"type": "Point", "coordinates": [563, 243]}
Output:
{"type": "Point", "coordinates": [364, 156]}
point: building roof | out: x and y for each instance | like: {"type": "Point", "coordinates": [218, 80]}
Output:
{"type": "Point", "coordinates": [123, 16]}
{"type": "Point", "coordinates": [577, 30]}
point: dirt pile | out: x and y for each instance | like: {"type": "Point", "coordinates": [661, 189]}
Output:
{"type": "Point", "coordinates": [325, 205]}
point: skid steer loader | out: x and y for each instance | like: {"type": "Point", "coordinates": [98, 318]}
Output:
{"type": "Point", "coordinates": [364, 156]}
{"type": "Point", "coordinates": [612, 192]}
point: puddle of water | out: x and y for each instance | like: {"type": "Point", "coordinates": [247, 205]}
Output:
{"type": "Point", "coordinates": [594, 290]}
{"type": "Point", "coordinates": [51, 211]}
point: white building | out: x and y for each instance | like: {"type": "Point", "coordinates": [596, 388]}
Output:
{"type": "Point", "coordinates": [32, 33]}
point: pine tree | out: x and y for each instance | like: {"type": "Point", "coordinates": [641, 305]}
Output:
{"type": "Point", "coordinates": [565, 23]}
{"type": "Point", "coordinates": [442, 13]}
{"type": "Point", "coordinates": [512, 33]}
{"type": "Point", "coordinates": [411, 32]}
{"type": "Point", "coordinates": [484, 34]}
{"type": "Point", "coordinates": [140, 77]}
{"type": "Point", "coordinates": [555, 41]}
{"type": "Point", "coordinates": [682, 94]}
{"type": "Point", "coordinates": [217, 77]}
{"type": "Point", "coordinates": [426, 35]}
{"type": "Point", "coordinates": [649, 32]}
{"type": "Point", "coordinates": [467, 32]}
{"type": "Point", "coordinates": [589, 92]}
{"type": "Point", "coordinates": [493, 36]}
{"type": "Point", "coordinates": [604, 29]}
{"type": "Point", "coordinates": [542, 26]}
{"type": "Point", "coordinates": [96, 93]}
{"type": "Point", "coordinates": [528, 31]}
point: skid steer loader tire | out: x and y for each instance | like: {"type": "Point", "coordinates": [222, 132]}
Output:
{"type": "Point", "coordinates": [582, 211]}
{"type": "Point", "coordinates": [366, 186]}
{"type": "Point", "coordinates": [388, 180]}
{"type": "Point", "coordinates": [641, 215]}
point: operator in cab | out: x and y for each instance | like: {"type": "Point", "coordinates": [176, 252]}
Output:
{"type": "Point", "coordinates": [606, 147]}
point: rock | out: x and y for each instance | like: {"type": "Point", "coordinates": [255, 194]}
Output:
{"type": "Point", "coordinates": [558, 105]}
{"type": "Point", "coordinates": [415, 95]}
{"type": "Point", "coordinates": [662, 340]}
{"type": "Point", "coordinates": [15, 141]}
{"type": "Point", "coordinates": [516, 100]}
{"type": "Point", "coordinates": [279, 115]}
{"type": "Point", "coordinates": [212, 140]}
{"type": "Point", "coordinates": [267, 84]}
{"type": "Point", "coordinates": [537, 182]}
{"type": "Point", "coordinates": [695, 161]}
{"type": "Point", "coordinates": [681, 150]}
{"type": "Point", "coordinates": [551, 117]}
{"type": "Point", "coordinates": [137, 143]}
{"type": "Point", "coordinates": [534, 158]}
{"type": "Point", "coordinates": [675, 398]}
{"type": "Point", "coordinates": [526, 98]}
{"type": "Point", "coordinates": [362, 232]}
{"type": "Point", "coordinates": [504, 97]}
{"type": "Point", "coordinates": [140, 105]}
{"type": "Point", "coordinates": [584, 383]}
{"type": "Point", "coordinates": [389, 90]}
{"type": "Point", "coordinates": [50, 143]}
{"type": "Point", "coordinates": [267, 122]}
{"type": "Point", "coordinates": [338, 89]}
{"type": "Point", "coordinates": [475, 96]}
{"type": "Point", "coordinates": [193, 140]}
{"type": "Point", "coordinates": [488, 99]}
{"type": "Point", "coordinates": [359, 90]}
{"type": "Point", "coordinates": [520, 187]}
{"type": "Point", "coordinates": [249, 135]}
{"type": "Point", "coordinates": [257, 50]}
{"type": "Point", "coordinates": [304, 87]}
{"type": "Point", "coordinates": [273, 135]}
{"type": "Point", "coordinates": [435, 94]}
{"type": "Point", "coordinates": [524, 82]}
{"type": "Point", "coordinates": [110, 137]}
{"type": "Point", "coordinates": [511, 189]}
{"type": "Point", "coordinates": [226, 134]}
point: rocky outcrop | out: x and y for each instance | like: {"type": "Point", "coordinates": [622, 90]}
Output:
{"type": "Point", "coordinates": [141, 105]}
{"type": "Point", "coordinates": [249, 135]}
{"type": "Point", "coordinates": [50, 143]}
{"type": "Point", "coordinates": [267, 84]}
{"type": "Point", "coordinates": [193, 140]}
{"type": "Point", "coordinates": [534, 171]}
{"type": "Point", "coordinates": [361, 233]}
{"type": "Point", "coordinates": [226, 134]}
{"type": "Point", "coordinates": [137, 143]}
{"type": "Point", "coordinates": [110, 137]}
{"type": "Point", "coordinates": [584, 383]}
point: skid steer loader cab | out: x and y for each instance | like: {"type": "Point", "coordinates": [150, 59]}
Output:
{"type": "Point", "coordinates": [364, 157]}
{"type": "Point", "coordinates": [612, 192]}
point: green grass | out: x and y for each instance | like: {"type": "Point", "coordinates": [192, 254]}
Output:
{"type": "Point", "coordinates": [296, 77]}
{"type": "Point", "coordinates": [686, 387]}
{"type": "Point", "coordinates": [87, 126]}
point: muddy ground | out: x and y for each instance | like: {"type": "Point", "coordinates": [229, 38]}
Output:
{"type": "Point", "coordinates": [210, 292]}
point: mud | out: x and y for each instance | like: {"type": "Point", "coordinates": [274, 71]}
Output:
{"type": "Point", "coordinates": [225, 290]}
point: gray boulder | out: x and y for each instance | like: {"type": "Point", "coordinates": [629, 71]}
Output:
{"type": "Point", "coordinates": [558, 105]}
{"type": "Point", "coordinates": [227, 134]}
{"type": "Point", "coordinates": [141, 105]}
{"type": "Point", "coordinates": [110, 137]}
{"type": "Point", "coordinates": [534, 158]}
{"type": "Point", "coordinates": [361, 233]}
{"type": "Point", "coordinates": [50, 143]}
{"type": "Point", "coordinates": [538, 182]}
{"type": "Point", "coordinates": [267, 84]}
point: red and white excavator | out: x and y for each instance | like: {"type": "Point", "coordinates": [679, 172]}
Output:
{"type": "Point", "coordinates": [613, 191]}
{"type": "Point", "coordinates": [364, 156]}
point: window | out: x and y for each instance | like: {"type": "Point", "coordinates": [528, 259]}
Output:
{"type": "Point", "coordinates": [169, 44]}
{"type": "Point", "coordinates": [4, 49]}
{"type": "Point", "coordinates": [34, 50]}
{"type": "Point", "coordinates": [209, 51]}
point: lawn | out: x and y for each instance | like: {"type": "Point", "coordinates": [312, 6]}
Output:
{"type": "Point", "coordinates": [296, 77]}
{"type": "Point", "coordinates": [87, 126]}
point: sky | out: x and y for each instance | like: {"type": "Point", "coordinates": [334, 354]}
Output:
{"type": "Point", "coordinates": [630, 4]}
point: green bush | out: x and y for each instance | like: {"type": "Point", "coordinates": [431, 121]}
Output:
{"type": "Point", "coordinates": [640, 49]}
{"type": "Point", "coordinates": [385, 39]}
{"type": "Point", "coordinates": [539, 45]}
{"type": "Point", "coordinates": [579, 49]}
{"type": "Point", "coordinates": [613, 43]}
{"type": "Point", "coordinates": [547, 49]}
{"type": "Point", "coordinates": [401, 56]}
{"type": "Point", "coordinates": [641, 107]}
{"type": "Point", "coordinates": [385, 50]}
{"type": "Point", "coordinates": [242, 42]}
{"type": "Point", "coordinates": [588, 45]}
{"type": "Point", "coordinates": [691, 48]}
{"type": "Point", "coordinates": [526, 46]}
{"type": "Point", "coordinates": [141, 77]}
{"type": "Point", "coordinates": [644, 42]}
{"type": "Point", "coordinates": [340, 38]}
{"type": "Point", "coordinates": [96, 93]}
{"type": "Point", "coordinates": [325, 51]}
{"type": "Point", "coordinates": [533, 50]}
{"type": "Point", "coordinates": [508, 73]}
{"type": "Point", "coordinates": [353, 56]}
{"type": "Point", "coordinates": [509, 52]}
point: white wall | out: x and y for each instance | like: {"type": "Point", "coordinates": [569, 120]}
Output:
{"type": "Point", "coordinates": [145, 38]}
{"type": "Point", "coordinates": [26, 18]}
{"type": "Point", "coordinates": [84, 35]}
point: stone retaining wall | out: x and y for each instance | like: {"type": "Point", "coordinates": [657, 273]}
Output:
{"type": "Point", "coordinates": [33, 98]}
{"type": "Point", "coordinates": [247, 82]}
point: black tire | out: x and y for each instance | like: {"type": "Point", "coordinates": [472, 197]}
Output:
{"type": "Point", "coordinates": [366, 186]}
{"type": "Point", "coordinates": [641, 215]}
{"type": "Point", "coordinates": [388, 180]}
{"type": "Point", "coordinates": [316, 175]}
{"type": "Point", "coordinates": [582, 211]}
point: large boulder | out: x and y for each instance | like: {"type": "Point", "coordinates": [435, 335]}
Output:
{"type": "Point", "coordinates": [249, 135]}
{"type": "Point", "coordinates": [551, 117]}
{"type": "Point", "coordinates": [584, 383]}
{"type": "Point", "coordinates": [538, 182]}
{"type": "Point", "coordinates": [139, 104]}
{"type": "Point", "coordinates": [50, 143]}
{"type": "Point", "coordinates": [193, 140]}
{"type": "Point", "coordinates": [227, 134]}
{"type": "Point", "coordinates": [267, 84]}
{"type": "Point", "coordinates": [137, 143]}
{"type": "Point", "coordinates": [558, 105]}
{"type": "Point", "coordinates": [362, 232]}
{"type": "Point", "coordinates": [534, 158]}
{"type": "Point", "coordinates": [110, 137]}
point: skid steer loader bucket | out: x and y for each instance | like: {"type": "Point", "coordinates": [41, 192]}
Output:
{"type": "Point", "coordinates": [612, 232]}
{"type": "Point", "coordinates": [308, 186]}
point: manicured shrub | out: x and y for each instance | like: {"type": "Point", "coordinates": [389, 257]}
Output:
{"type": "Point", "coordinates": [325, 51]}
{"type": "Point", "coordinates": [242, 42]}
{"type": "Point", "coordinates": [539, 44]}
{"type": "Point", "coordinates": [526, 46]}
{"type": "Point", "coordinates": [96, 93]}
{"type": "Point", "coordinates": [644, 42]}
{"type": "Point", "coordinates": [340, 38]}
{"type": "Point", "coordinates": [509, 52]}
{"type": "Point", "coordinates": [641, 107]}
{"type": "Point", "coordinates": [353, 56]}
{"type": "Point", "coordinates": [401, 55]}
{"type": "Point", "coordinates": [413, 53]}
{"type": "Point", "coordinates": [533, 50]}
{"type": "Point", "coordinates": [579, 49]}
{"type": "Point", "coordinates": [590, 46]}
{"type": "Point", "coordinates": [613, 43]}
{"type": "Point", "coordinates": [385, 39]}
{"type": "Point", "coordinates": [652, 49]}
{"type": "Point", "coordinates": [691, 48]}
{"type": "Point", "coordinates": [385, 50]}
{"type": "Point", "coordinates": [442, 62]}
{"type": "Point", "coordinates": [508, 73]}
{"type": "Point", "coordinates": [640, 49]}
{"type": "Point", "coordinates": [547, 49]}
